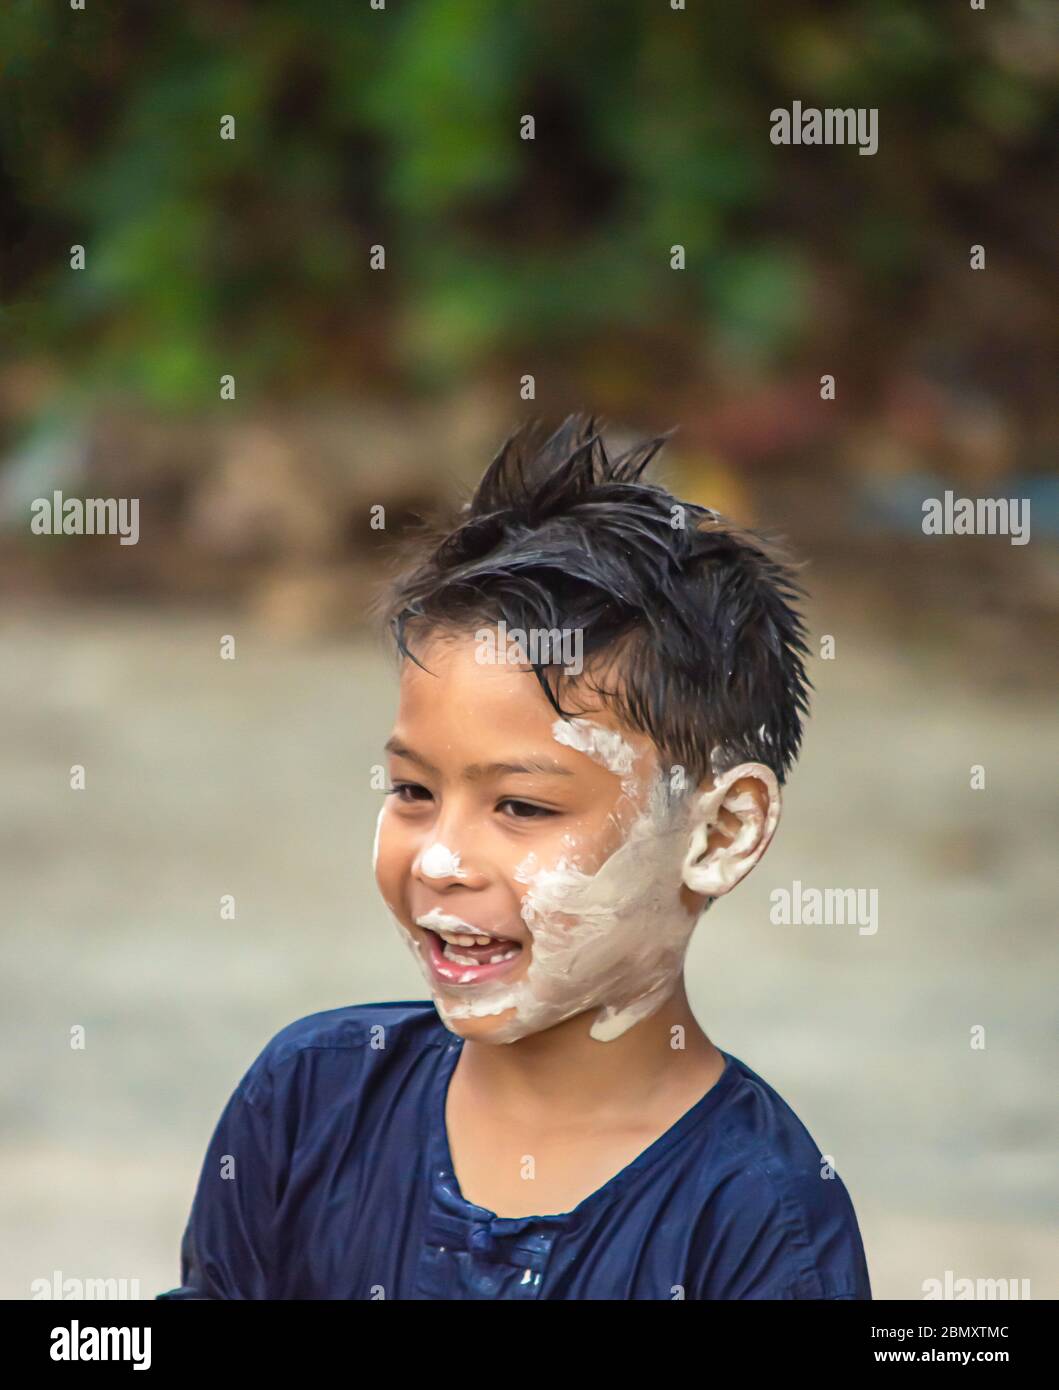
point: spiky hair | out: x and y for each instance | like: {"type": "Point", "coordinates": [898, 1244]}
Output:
{"type": "Point", "coordinates": [696, 620]}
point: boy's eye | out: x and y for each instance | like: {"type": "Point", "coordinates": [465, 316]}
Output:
{"type": "Point", "coordinates": [411, 792]}
{"type": "Point", "coordinates": [408, 791]}
{"type": "Point", "coordinates": [526, 809]}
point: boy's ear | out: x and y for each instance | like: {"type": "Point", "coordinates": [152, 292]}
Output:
{"type": "Point", "coordinates": [732, 823]}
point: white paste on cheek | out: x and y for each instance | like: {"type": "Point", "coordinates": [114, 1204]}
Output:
{"type": "Point", "coordinates": [614, 940]}
{"type": "Point", "coordinates": [440, 862]}
{"type": "Point", "coordinates": [524, 872]}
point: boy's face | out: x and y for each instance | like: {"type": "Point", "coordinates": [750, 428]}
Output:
{"type": "Point", "coordinates": [496, 831]}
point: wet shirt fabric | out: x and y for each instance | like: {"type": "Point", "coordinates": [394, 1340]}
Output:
{"type": "Point", "coordinates": [328, 1176]}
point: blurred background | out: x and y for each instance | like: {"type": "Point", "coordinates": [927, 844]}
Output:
{"type": "Point", "coordinates": [359, 386]}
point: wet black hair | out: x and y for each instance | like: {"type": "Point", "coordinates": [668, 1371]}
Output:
{"type": "Point", "coordinates": [698, 620]}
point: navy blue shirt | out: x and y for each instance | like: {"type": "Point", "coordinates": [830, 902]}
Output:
{"type": "Point", "coordinates": [340, 1185]}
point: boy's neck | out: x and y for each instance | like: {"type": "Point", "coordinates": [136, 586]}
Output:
{"type": "Point", "coordinates": [564, 1076]}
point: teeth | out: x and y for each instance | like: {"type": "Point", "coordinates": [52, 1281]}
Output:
{"type": "Point", "coordinates": [457, 959]}
{"type": "Point", "coordinates": [462, 939]}
{"type": "Point", "coordinates": [454, 956]}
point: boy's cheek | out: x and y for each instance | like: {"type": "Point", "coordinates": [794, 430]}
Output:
{"type": "Point", "coordinates": [390, 856]}
{"type": "Point", "coordinates": [385, 882]}
{"type": "Point", "coordinates": [588, 848]}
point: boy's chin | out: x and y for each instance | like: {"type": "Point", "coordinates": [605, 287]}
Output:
{"type": "Point", "coordinates": [506, 1027]}
{"type": "Point", "coordinates": [490, 1028]}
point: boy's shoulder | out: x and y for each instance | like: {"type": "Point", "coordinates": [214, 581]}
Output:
{"type": "Point", "coordinates": [389, 1030]}
{"type": "Point", "coordinates": [758, 1120]}
{"type": "Point", "coordinates": [773, 1192]}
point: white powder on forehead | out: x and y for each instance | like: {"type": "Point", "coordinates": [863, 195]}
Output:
{"type": "Point", "coordinates": [604, 746]}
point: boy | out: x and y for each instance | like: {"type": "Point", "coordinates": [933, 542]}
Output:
{"type": "Point", "coordinates": [555, 1124]}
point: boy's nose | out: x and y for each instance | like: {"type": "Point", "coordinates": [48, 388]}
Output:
{"type": "Point", "coordinates": [437, 863]}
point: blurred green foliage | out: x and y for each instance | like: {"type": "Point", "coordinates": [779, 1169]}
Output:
{"type": "Point", "coordinates": [400, 127]}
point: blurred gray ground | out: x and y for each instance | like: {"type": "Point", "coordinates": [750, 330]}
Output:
{"type": "Point", "coordinates": [250, 777]}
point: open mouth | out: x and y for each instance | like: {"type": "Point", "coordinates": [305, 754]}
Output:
{"type": "Point", "coordinates": [462, 954]}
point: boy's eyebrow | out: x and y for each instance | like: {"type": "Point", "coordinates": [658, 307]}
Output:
{"type": "Point", "coordinates": [476, 771]}
{"type": "Point", "coordinates": [545, 765]}
{"type": "Point", "coordinates": [401, 750]}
